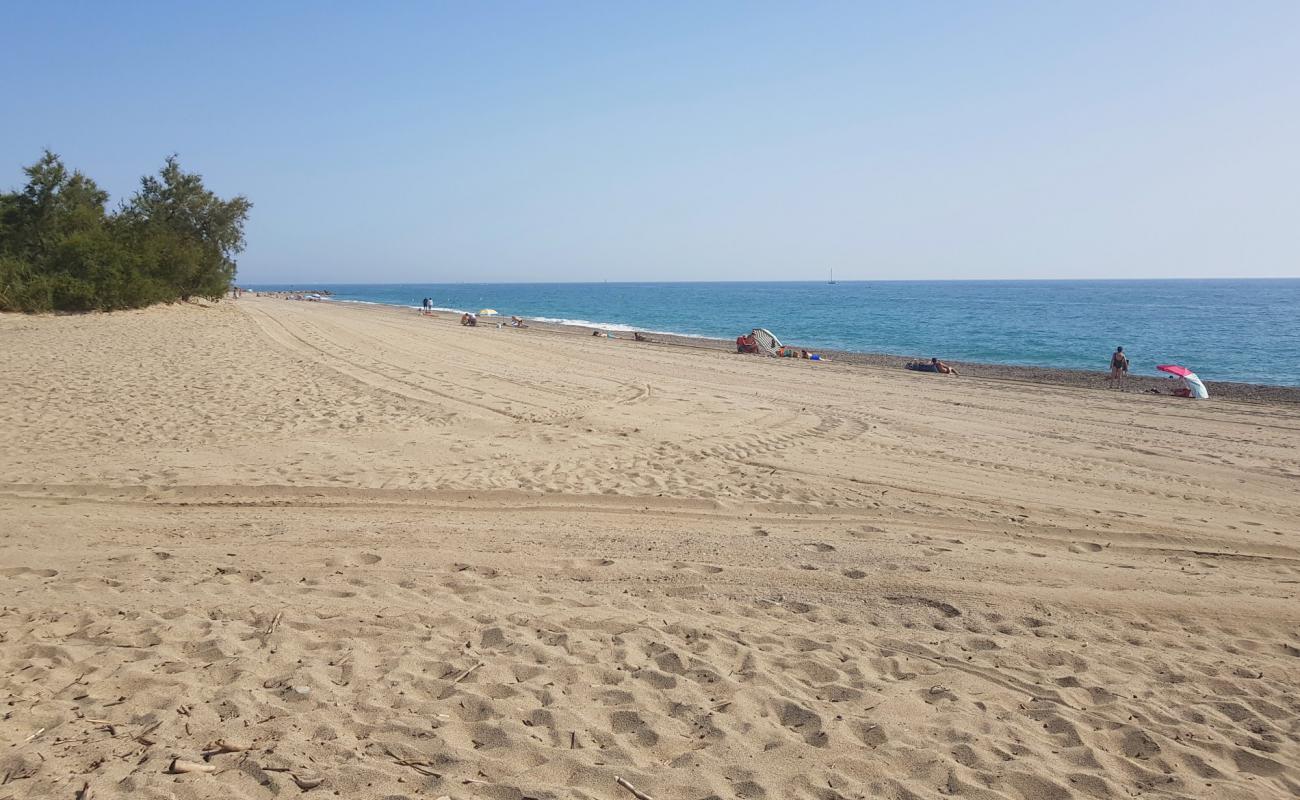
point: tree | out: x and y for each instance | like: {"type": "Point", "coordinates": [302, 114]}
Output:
{"type": "Point", "coordinates": [53, 204]}
{"type": "Point", "coordinates": [61, 250]}
{"type": "Point", "coordinates": [193, 235]}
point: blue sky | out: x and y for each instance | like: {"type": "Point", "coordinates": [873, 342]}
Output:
{"type": "Point", "coordinates": [677, 141]}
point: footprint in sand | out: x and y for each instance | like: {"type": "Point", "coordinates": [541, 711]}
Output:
{"type": "Point", "coordinates": [870, 734]}
{"type": "Point", "coordinates": [20, 572]}
{"type": "Point", "coordinates": [818, 547]}
{"type": "Point", "coordinates": [854, 573]}
{"type": "Point", "coordinates": [1085, 547]}
{"type": "Point", "coordinates": [369, 558]}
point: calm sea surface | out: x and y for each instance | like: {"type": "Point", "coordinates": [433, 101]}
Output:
{"type": "Point", "coordinates": [1235, 330]}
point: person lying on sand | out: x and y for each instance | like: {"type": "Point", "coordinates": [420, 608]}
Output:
{"type": "Point", "coordinates": [518, 322]}
{"type": "Point", "coordinates": [933, 365]}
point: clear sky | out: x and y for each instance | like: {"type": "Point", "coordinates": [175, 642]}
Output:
{"type": "Point", "coordinates": [710, 140]}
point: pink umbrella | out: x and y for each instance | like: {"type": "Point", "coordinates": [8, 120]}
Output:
{"type": "Point", "coordinates": [1195, 388]}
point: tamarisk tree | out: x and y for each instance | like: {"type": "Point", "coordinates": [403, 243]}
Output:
{"type": "Point", "coordinates": [60, 249]}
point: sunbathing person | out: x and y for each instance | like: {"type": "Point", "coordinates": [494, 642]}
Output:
{"type": "Point", "coordinates": [933, 365]}
{"type": "Point", "coordinates": [518, 322]}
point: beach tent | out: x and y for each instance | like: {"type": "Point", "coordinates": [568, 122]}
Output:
{"type": "Point", "coordinates": [768, 344]}
{"type": "Point", "coordinates": [1194, 386]}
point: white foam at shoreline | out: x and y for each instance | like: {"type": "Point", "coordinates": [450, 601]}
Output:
{"type": "Point", "coordinates": [577, 323]}
{"type": "Point", "coordinates": [613, 326]}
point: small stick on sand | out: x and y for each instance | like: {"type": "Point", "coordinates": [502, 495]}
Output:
{"type": "Point", "coordinates": [222, 746]}
{"type": "Point", "coordinates": [466, 673]}
{"type": "Point", "coordinates": [422, 767]}
{"type": "Point", "coordinates": [275, 622]}
{"type": "Point", "coordinates": [143, 736]}
{"type": "Point", "coordinates": [70, 685]}
{"type": "Point", "coordinates": [637, 793]}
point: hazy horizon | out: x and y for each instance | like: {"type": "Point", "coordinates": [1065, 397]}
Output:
{"type": "Point", "coordinates": [586, 142]}
{"type": "Point", "coordinates": [306, 281]}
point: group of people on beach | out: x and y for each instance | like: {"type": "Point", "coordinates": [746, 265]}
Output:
{"type": "Point", "coordinates": [748, 343]}
{"type": "Point", "coordinates": [471, 320]}
{"type": "Point", "coordinates": [1119, 363]}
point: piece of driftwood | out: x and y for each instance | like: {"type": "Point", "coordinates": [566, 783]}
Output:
{"type": "Point", "coordinates": [180, 766]}
{"type": "Point", "coordinates": [637, 793]}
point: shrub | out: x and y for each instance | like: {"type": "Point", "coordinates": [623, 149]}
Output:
{"type": "Point", "coordinates": [61, 250]}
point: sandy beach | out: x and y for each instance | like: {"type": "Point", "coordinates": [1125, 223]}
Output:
{"type": "Point", "coordinates": [271, 548]}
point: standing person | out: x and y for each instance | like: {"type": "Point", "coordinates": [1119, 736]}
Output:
{"type": "Point", "coordinates": [1118, 366]}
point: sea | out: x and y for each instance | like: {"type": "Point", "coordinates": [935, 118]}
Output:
{"type": "Point", "coordinates": [1225, 330]}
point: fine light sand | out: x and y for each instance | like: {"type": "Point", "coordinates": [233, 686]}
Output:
{"type": "Point", "coordinates": [383, 556]}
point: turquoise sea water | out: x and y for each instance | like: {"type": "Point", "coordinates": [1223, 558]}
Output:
{"type": "Point", "coordinates": [1235, 330]}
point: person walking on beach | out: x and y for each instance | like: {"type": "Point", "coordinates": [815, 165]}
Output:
{"type": "Point", "coordinates": [1118, 367]}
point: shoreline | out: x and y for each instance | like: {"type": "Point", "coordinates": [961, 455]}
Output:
{"type": "Point", "coordinates": [1050, 376]}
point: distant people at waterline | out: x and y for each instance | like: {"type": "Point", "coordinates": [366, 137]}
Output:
{"type": "Point", "coordinates": [1118, 367]}
{"type": "Point", "coordinates": [933, 365]}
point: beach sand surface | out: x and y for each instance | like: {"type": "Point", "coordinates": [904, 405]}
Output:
{"type": "Point", "coordinates": [272, 548]}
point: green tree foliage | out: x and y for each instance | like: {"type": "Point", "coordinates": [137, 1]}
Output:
{"type": "Point", "coordinates": [62, 250]}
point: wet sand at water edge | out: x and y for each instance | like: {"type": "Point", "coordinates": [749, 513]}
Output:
{"type": "Point", "coordinates": [266, 549]}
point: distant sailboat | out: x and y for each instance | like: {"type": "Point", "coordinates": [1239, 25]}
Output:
{"type": "Point", "coordinates": [832, 280]}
